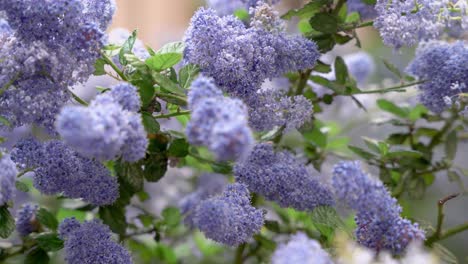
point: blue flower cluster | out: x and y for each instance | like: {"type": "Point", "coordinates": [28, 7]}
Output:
{"type": "Point", "coordinates": [109, 128]}
{"type": "Point", "coordinates": [366, 11]}
{"type": "Point", "coordinates": [218, 122]}
{"type": "Point", "coordinates": [52, 46]}
{"type": "Point", "coordinates": [7, 178]}
{"type": "Point", "coordinates": [59, 169]}
{"type": "Point", "coordinates": [208, 185]}
{"type": "Point", "coordinates": [241, 58]}
{"type": "Point", "coordinates": [281, 177]}
{"type": "Point", "coordinates": [444, 68]}
{"type": "Point", "coordinates": [405, 23]}
{"type": "Point", "coordinates": [26, 222]}
{"type": "Point", "coordinates": [229, 218]}
{"type": "Point", "coordinates": [301, 249]}
{"type": "Point", "coordinates": [360, 66]}
{"type": "Point", "coordinates": [91, 242]}
{"type": "Point", "coordinates": [379, 224]}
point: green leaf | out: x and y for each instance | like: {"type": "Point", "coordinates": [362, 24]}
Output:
{"type": "Point", "coordinates": [171, 216]}
{"type": "Point", "coordinates": [163, 61]}
{"type": "Point", "coordinates": [47, 219]}
{"type": "Point", "coordinates": [372, 144]}
{"type": "Point", "coordinates": [127, 47]}
{"type": "Point", "coordinates": [417, 112]}
{"type": "Point", "coordinates": [401, 154]}
{"type": "Point", "coordinates": [322, 67]}
{"type": "Point", "coordinates": [308, 10]}
{"type": "Point", "coordinates": [49, 241]}
{"type": "Point", "coordinates": [273, 226]}
{"type": "Point", "coordinates": [187, 74]}
{"type": "Point", "coordinates": [7, 222]}
{"type": "Point", "coordinates": [114, 217]}
{"type": "Point", "coordinates": [445, 255]}
{"type": "Point", "coordinates": [353, 17]}
{"type": "Point", "coordinates": [327, 220]}
{"type": "Point", "coordinates": [369, 2]}
{"type": "Point", "coordinates": [206, 246]}
{"type": "Point", "coordinates": [362, 153]}
{"type": "Point", "coordinates": [37, 256]}
{"type": "Point", "coordinates": [155, 167]}
{"type": "Point", "coordinates": [151, 125]}
{"type": "Point", "coordinates": [451, 143]}
{"type": "Point", "coordinates": [21, 186]}
{"type": "Point", "coordinates": [325, 23]}
{"type": "Point", "coordinates": [242, 14]}
{"type": "Point", "coordinates": [173, 47]}
{"type": "Point", "coordinates": [167, 84]}
{"type": "Point", "coordinates": [178, 148]}
{"type": "Point", "coordinates": [392, 68]}
{"type": "Point", "coordinates": [5, 121]}
{"type": "Point", "coordinates": [392, 108]}
{"type": "Point", "coordinates": [99, 67]}
{"type": "Point", "coordinates": [166, 254]}
{"type": "Point", "coordinates": [317, 137]}
{"type": "Point", "coordinates": [325, 42]}
{"type": "Point", "coordinates": [68, 213]}
{"type": "Point", "coordinates": [341, 71]}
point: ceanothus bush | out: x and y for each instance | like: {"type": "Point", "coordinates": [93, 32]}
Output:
{"type": "Point", "coordinates": [245, 142]}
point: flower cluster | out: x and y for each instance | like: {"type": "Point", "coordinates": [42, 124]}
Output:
{"type": "Point", "coordinates": [379, 224]}
{"type": "Point", "coordinates": [91, 242]}
{"type": "Point", "coordinates": [109, 128]}
{"type": "Point", "coordinates": [443, 67]}
{"type": "Point", "coordinates": [209, 184]}
{"type": "Point", "coordinates": [366, 11]}
{"type": "Point", "coordinates": [58, 168]}
{"type": "Point", "coordinates": [301, 249]}
{"type": "Point", "coordinates": [54, 48]}
{"type": "Point", "coordinates": [26, 221]}
{"type": "Point", "coordinates": [7, 178]}
{"type": "Point", "coordinates": [281, 177]}
{"type": "Point", "coordinates": [229, 218]}
{"type": "Point", "coordinates": [218, 122]}
{"type": "Point", "coordinates": [241, 58]}
{"type": "Point", "coordinates": [405, 23]}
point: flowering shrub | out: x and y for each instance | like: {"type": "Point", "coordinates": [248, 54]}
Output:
{"type": "Point", "coordinates": [257, 105]}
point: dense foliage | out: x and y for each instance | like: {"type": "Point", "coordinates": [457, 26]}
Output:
{"type": "Point", "coordinates": [255, 113]}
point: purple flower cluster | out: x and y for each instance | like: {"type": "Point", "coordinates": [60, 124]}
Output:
{"type": "Point", "coordinates": [366, 11]}
{"type": "Point", "coordinates": [59, 169]}
{"type": "Point", "coordinates": [229, 218]}
{"type": "Point", "coordinates": [26, 222]}
{"type": "Point", "coordinates": [109, 128]}
{"type": "Point", "coordinates": [379, 224]}
{"type": "Point", "coordinates": [209, 184]}
{"type": "Point", "coordinates": [444, 68]}
{"type": "Point", "coordinates": [405, 23]}
{"type": "Point", "coordinates": [91, 242]}
{"type": "Point", "coordinates": [241, 58]}
{"type": "Point", "coordinates": [281, 177]}
{"type": "Point", "coordinates": [218, 122]}
{"type": "Point", "coordinates": [7, 178]}
{"type": "Point", "coordinates": [301, 249]}
{"type": "Point", "coordinates": [51, 45]}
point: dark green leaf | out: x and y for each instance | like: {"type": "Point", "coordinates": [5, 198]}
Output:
{"type": "Point", "coordinates": [99, 67]}
{"type": "Point", "coordinates": [341, 71]}
{"type": "Point", "coordinates": [362, 153]}
{"type": "Point", "coordinates": [7, 223]}
{"type": "Point", "coordinates": [342, 39]}
{"type": "Point", "coordinates": [392, 108]}
{"type": "Point", "coordinates": [114, 217]}
{"type": "Point", "coordinates": [308, 10]}
{"type": "Point", "coordinates": [325, 42]}
{"type": "Point", "coordinates": [150, 123]}
{"type": "Point", "coordinates": [21, 186]}
{"type": "Point", "coordinates": [273, 226]}
{"type": "Point", "coordinates": [155, 167]}
{"type": "Point", "coordinates": [397, 139]}
{"type": "Point", "coordinates": [178, 148]}
{"type": "Point", "coordinates": [369, 2]}
{"type": "Point", "coordinates": [47, 219]}
{"type": "Point", "coordinates": [325, 22]}
{"type": "Point", "coordinates": [451, 143]}
{"type": "Point", "coordinates": [127, 47]}
{"type": "Point", "coordinates": [265, 242]}
{"type": "Point", "coordinates": [49, 241]}
{"type": "Point", "coordinates": [187, 74]}
{"type": "Point", "coordinates": [322, 67]}
{"type": "Point", "coordinates": [402, 154]}
{"type": "Point", "coordinates": [37, 256]}
{"type": "Point", "coordinates": [167, 84]}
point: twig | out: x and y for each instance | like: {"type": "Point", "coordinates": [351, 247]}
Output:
{"type": "Point", "coordinates": [178, 113]}
{"type": "Point", "coordinates": [238, 259]}
{"type": "Point", "coordinates": [440, 220]}
{"type": "Point", "coordinates": [114, 66]}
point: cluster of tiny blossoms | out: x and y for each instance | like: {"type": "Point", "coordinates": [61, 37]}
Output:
{"type": "Point", "coordinates": [301, 249]}
{"type": "Point", "coordinates": [26, 221]}
{"type": "Point", "coordinates": [229, 218]}
{"type": "Point", "coordinates": [218, 122]}
{"type": "Point", "coordinates": [379, 224]}
{"type": "Point", "coordinates": [110, 127]}
{"type": "Point", "coordinates": [443, 68]}
{"type": "Point", "coordinates": [91, 242]}
{"type": "Point", "coordinates": [241, 58]}
{"type": "Point", "coordinates": [281, 177]}
{"type": "Point", "coordinates": [7, 178]}
{"type": "Point", "coordinates": [59, 169]}
{"type": "Point", "coordinates": [41, 56]}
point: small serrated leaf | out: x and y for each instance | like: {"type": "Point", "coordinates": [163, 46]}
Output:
{"type": "Point", "coordinates": [392, 68]}
{"type": "Point", "coordinates": [49, 241]}
{"type": "Point", "coordinates": [451, 143]}
{"type": "Point", "coordinates": [47, 219]}
{"type": "Point", "coordinates": [7, 223]}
